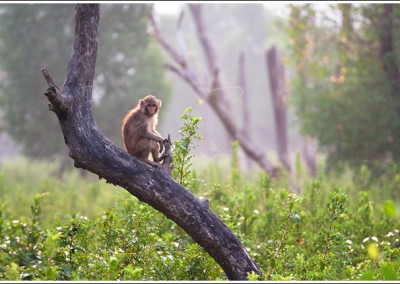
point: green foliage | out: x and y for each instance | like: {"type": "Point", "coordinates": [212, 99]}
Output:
{"type": "Point", "coordinates": [47, 31]}
{"type": "Point", "coordinates": [182, 154]}
{"type": "Point", "coordinates": [124, 243]}
{"type": "Point", "coordinates": [235, 166]}
{"type": "Point", "coordinates": [341, 90]}
{"type": "Point", "coordinates": [128, 68]}
{"type": "Point", "coordinates": [329, 233]}
{"type": "Point", "coordinates": [21, 180]}
{"type": "Point", "coordinates": [317, 236]}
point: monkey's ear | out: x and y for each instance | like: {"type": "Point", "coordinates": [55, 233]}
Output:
{"type": "Point", "coordinates": [142, 103]}
{"type": "Point", "coordinates": [159, 103]}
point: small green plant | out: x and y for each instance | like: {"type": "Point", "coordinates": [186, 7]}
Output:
{"type": "Point", "coordinates": [289, 220]}
{"type": "Point", "coordinates": [183, 148]}
{"type": "Point", "coordinates": [34, 230]}
{"type": "Point", "coordinates": [335, 208]}
{"type": "Point", "coordinates": [235, 166]}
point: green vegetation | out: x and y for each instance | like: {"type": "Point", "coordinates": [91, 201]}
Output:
{"type": "Point", "coordinates": [340, 228]}
{"type": "Point", "coordinates": [21, 180]}
{"type": "Point", "coordinates": [183, 148]}
{"type": "Point", "coordinates": [345, 225]}
{"type": "Point", "coordinates": [344, 90]}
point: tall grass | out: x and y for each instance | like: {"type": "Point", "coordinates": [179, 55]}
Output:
{"type": "Point", "coordinates": [342, 227]}
{"type": "Point", "coordinates": [21, 179]}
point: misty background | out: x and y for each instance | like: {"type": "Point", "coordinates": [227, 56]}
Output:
{"type": "Point", "coordinates": [249, 28]}
{"type": "Point", "coordinates": [324, 51]}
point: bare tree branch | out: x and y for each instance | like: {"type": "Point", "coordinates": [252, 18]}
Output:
{"type": "Point", "coordinates": [215, 96]}
{"type": "Point", "coordinates": [178, 58]}
{"type": "Point", "coordinates": [208, 49]}
{"type": "Point", "coordinates": [91, 150]}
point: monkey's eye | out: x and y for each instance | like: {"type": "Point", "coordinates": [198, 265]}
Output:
{"type": "Point", "coordinates": [151, 105]}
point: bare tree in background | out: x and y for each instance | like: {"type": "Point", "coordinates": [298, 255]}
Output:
{"type": "Point", "coordinates": [245, 103]}
{"type": "Point", "coordinates": [212, 91]}
{"type": "Point", "coordinates": [277, 82]}
{"type": "Point", "coordinates": [309, 153]}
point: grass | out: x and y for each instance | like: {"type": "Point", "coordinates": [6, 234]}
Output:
{"type": "Point", "coordinates": [21, 180]}
{"type": "Point", "coordinates": [342, 227]}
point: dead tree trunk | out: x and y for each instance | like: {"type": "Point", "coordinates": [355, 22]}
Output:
{"type": "Point", "coordinates": [213, 92]}
{"type": "Point", "coordinates": [309, 150]}
{"type": "Point", "coordinates": [244, 104]}
{"type": "Point", "coordinates": [92, 151]}
{"type": "Point", "coordinates": [277, 82]}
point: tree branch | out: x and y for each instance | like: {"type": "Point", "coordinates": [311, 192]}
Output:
{"type": "Point", "coordinates": [57, 102]}
{"type": "Point", "coordinates": [91, 150]}
{"type": "Point", "coordinates": [215, 96]}
{"type": "Point", "coordinates": [165, 44]}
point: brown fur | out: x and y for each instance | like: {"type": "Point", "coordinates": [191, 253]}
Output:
{"type": "Point", "coordinates": [139, 130]}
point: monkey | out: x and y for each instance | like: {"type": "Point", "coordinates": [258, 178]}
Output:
{"type": "Point", "coordinates": [139, 131]}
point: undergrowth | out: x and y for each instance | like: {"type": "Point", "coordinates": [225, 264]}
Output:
{"type": "Point", "coordinates": [340, 227]}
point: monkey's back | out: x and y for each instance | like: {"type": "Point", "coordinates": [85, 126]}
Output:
{"type": "Point", "coordinates": [133, 126]}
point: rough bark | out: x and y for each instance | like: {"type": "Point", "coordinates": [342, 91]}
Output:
{"type": "Point", "coordinates": [214, 94]}
{"type": "Point", "coordinates": [277, 82]}
{"type": "Point", "coordinates": [92, 151]}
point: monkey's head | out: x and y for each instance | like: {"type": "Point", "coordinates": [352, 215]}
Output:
{"type": "Point", "coordinates": [150, 105]}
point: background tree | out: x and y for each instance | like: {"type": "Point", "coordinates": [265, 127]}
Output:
{"type": "Point", "coordinates": [249, 30]}
{"type": "Point", "coordinates": [26, 46]}
{"type": "Point", "coordinates": [24, 115]}
{"type": "Point", "coordinates": [345, 92]}
{"type": "Point", "coordinates": [212, 88]}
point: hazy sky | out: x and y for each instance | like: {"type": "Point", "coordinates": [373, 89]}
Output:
{"type": "Point", "coordinates": [171, 7]}
{"type": "Point", "coordinates": [167, 7]}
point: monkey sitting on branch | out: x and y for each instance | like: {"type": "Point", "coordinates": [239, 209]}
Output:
{"type": "Point", "coordinates": [140, 135]}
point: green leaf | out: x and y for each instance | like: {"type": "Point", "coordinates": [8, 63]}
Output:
{"type": "Point", "coordinates": [389, 271]}
{"type": "Point", "coordinates": [367, 275]}
{"type": "Point", "coordinates": [390, 209]}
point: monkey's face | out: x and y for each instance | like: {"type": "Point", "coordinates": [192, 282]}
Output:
{"type": "Point", "coordinates": [150, 105]}
{"type": "Point", "coordinates": [151, 109]}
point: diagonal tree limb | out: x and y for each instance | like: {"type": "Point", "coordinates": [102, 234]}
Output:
{"type": "Point", "coordinates": [91, 150]}
{"type": "Point", "coordinates": [178, 58]}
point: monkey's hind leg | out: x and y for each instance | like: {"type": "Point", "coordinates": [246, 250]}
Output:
{"type": "Point", "coordinates": [152, 163]}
